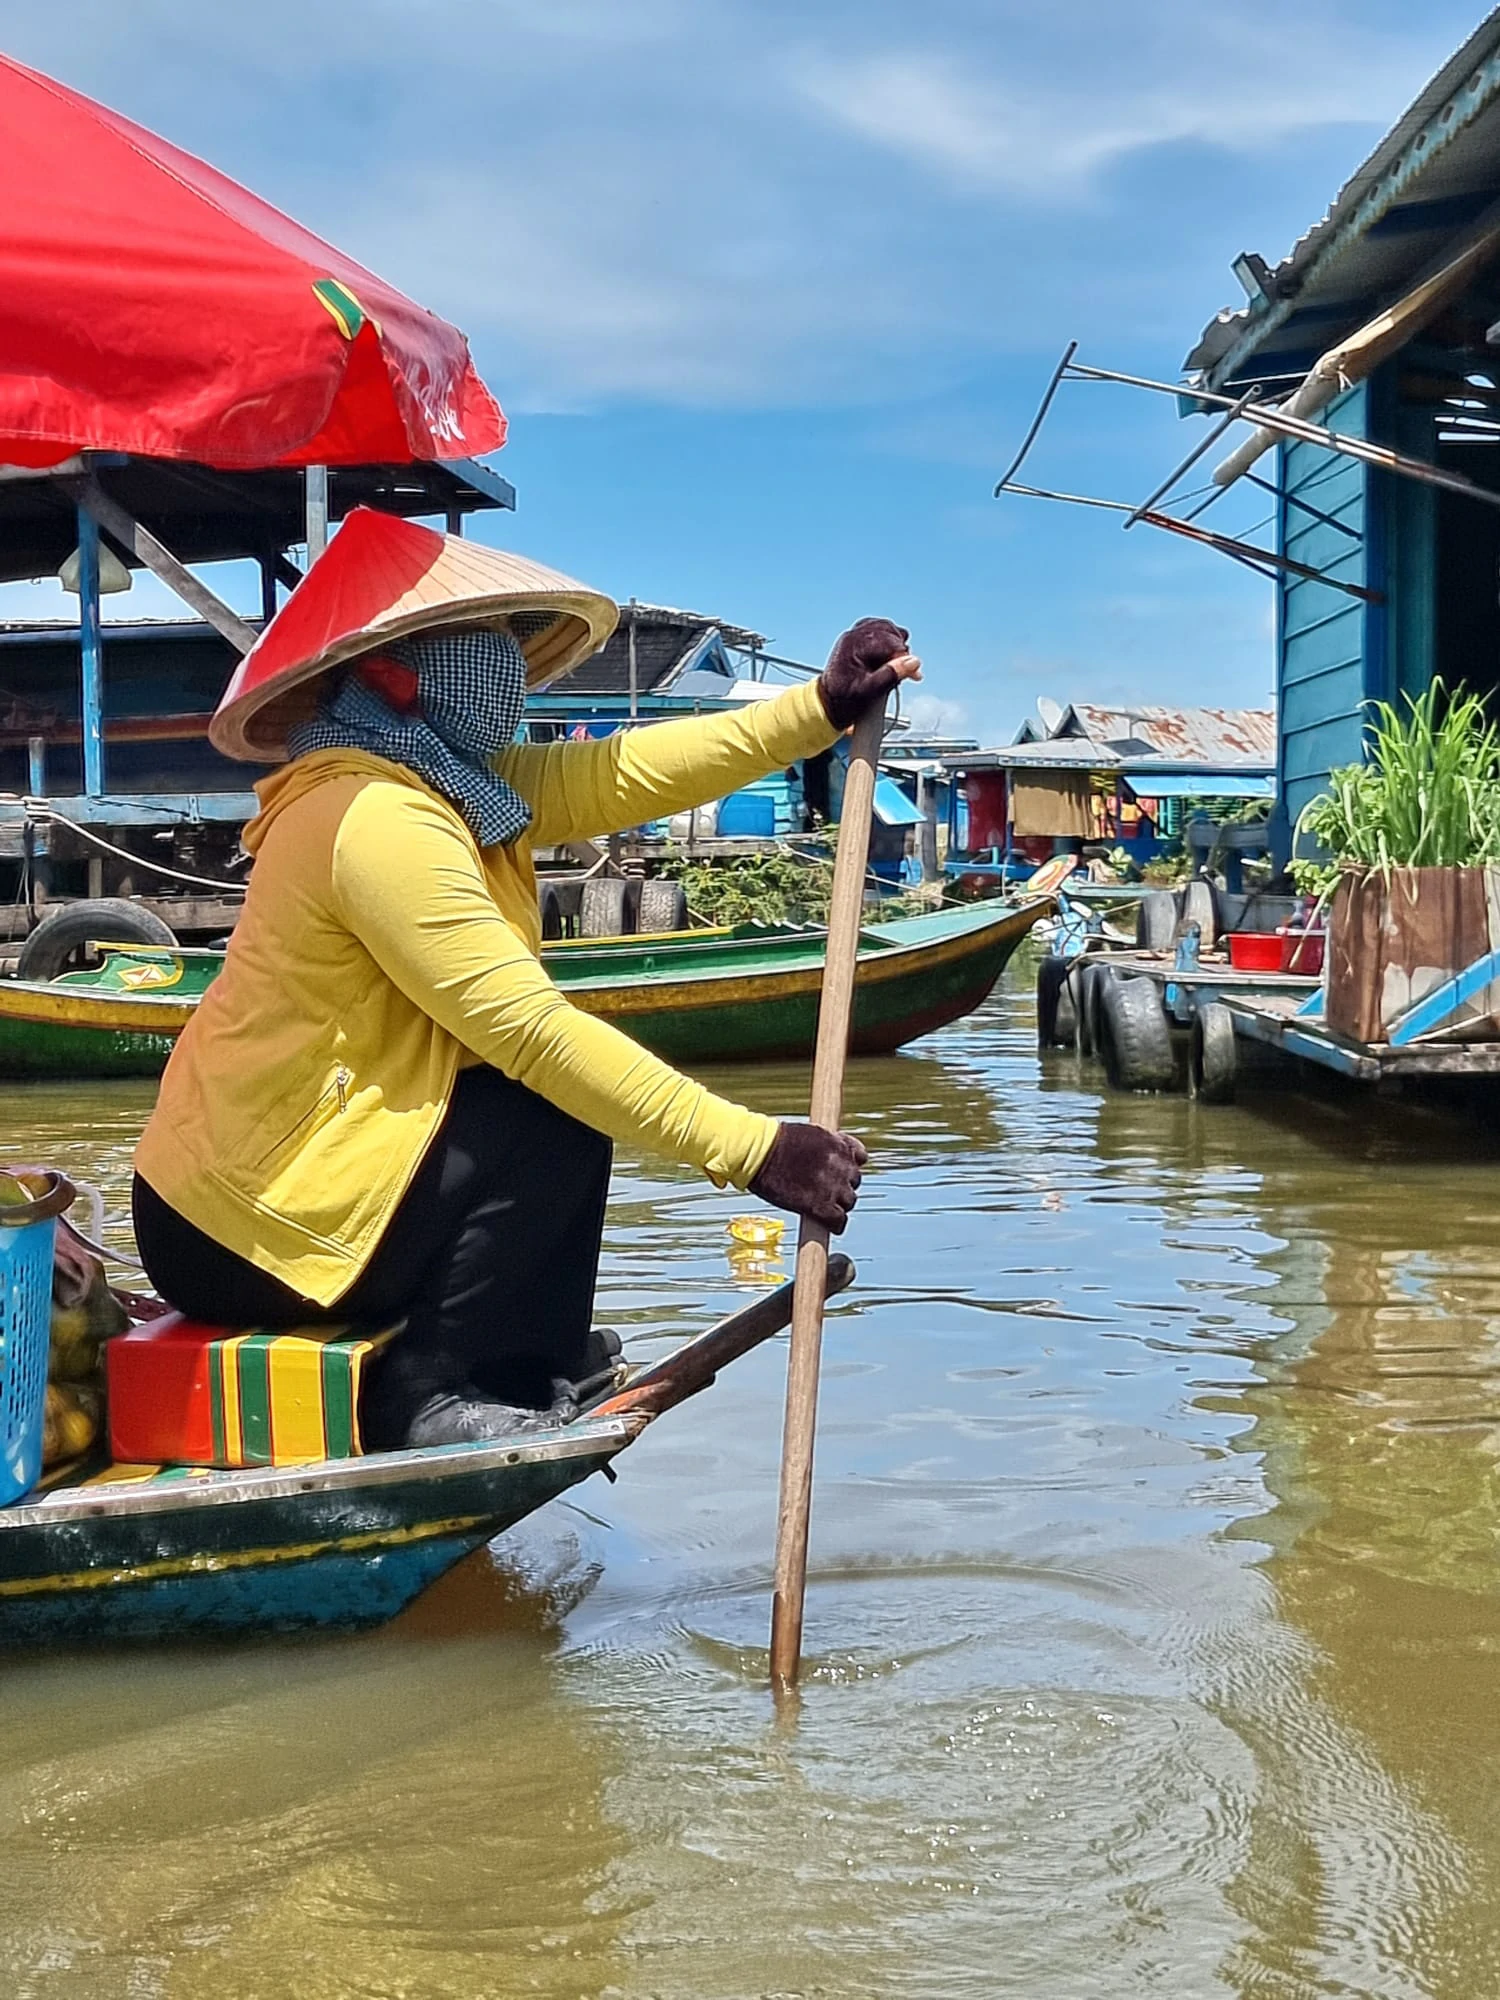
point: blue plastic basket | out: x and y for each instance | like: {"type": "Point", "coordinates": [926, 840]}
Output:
{"type": "Point", "coordinates": [25, 1332]}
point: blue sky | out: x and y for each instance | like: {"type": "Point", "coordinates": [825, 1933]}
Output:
{"type": "Point", "coordinates": [768, 289]}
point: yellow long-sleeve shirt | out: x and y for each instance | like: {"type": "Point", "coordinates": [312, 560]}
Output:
{"type": "Point", "coordinates": [380, 948]}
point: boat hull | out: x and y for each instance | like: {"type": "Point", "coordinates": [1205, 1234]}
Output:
{"type": "Point", "coordinates": [342, 1545]}
{"type": "Point", "coordinates": [685, 1001]}
{"type": "Point", "coordinates": [931, 972]}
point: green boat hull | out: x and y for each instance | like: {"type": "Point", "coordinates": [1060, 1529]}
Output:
{"type": "Point", "coordinates": [689, 1000]}
{"type": "Point", "coordinates": [345, 1544]}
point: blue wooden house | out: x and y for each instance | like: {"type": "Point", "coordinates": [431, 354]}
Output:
{"type": "Point", "coordinates": [1396, 293]}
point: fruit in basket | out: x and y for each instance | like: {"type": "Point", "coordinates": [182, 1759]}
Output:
{"type": "Point", "coordinates": [74, 1416]}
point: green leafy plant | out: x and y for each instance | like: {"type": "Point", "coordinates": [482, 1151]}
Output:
{"type": "Point", "coordinates": [778, 887]}
{"type": "Point", "coordinates": [1312, 878]}
{"type": "Point", "coordinates": [773, 888]}
{"type": "Point", "coordinates": [1167, 870]}
{"type": "Point", "coordinates": [1428, 796]}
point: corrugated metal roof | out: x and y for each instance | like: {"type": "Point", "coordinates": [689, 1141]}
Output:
{"type": "Point", "coordinates": [1220, 737]}
{"type": "Point", "coordinates": [739, 636]}
{"type": "Point", "coordinates": [1434, 171]}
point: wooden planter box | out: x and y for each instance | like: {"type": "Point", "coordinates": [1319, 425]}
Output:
{"type": "Point", "coordinates": [1393, 938]}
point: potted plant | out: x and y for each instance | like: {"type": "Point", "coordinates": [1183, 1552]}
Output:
{"type": "Point", "coordinates": [1412, 845]}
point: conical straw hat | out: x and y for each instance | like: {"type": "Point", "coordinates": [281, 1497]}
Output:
{"type": "Point", "coordinates": [381, 579]}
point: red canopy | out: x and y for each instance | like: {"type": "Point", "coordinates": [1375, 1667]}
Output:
{"type": "Point", "coordinates": [153, 306]}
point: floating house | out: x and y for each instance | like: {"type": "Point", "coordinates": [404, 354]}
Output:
{"type": "Point", "coordinates": [1122, 776]}
{"type": "Point", "coordinates": [1381, 324]}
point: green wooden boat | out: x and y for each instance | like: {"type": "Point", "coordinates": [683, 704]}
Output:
{"type": "Point", "coordinates": [692, 997]}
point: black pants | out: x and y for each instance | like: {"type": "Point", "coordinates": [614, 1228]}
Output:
{"type": "Point", "coordinates": [491, 1259]}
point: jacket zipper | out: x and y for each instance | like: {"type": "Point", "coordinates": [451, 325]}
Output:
{"type": "Point", "coordinates": [342, 1078]}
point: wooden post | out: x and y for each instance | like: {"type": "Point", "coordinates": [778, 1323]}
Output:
{"type": "Point", "coordinates": [927, 833]}
{"type": "Point", "coordinates": [316, 481]}
{"type": "Point", "coordinates": [634, 673]}
{"type": "Point", "coordinates": [91, 646]}
{"type": "Point", "coordinates": [144, 546]}
{"type": "Point", "coordinates": [835, 1010]}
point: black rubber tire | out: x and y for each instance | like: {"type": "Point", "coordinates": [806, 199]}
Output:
{"type": "Point", "coordinates": [1200, 907]}
{"type": "Point", "coordinates": [1213, 1055]}
{"type": "Point", "coordinates": [1156, 920]}
{"type": "Point", "coordinates": [1135, 1040]}
{"type": "Point", "coordinates": [1067, 1018]}
{"type": "Point", "coordinates": [606, 908]}
{"type": "Point", "coordinates": [99, 919]}
{"type": "Point", "coordinates": [1055, 1021]}
{"type": "Point", "coordinates": [1087, 975]}
{"type": "Point", "coordinates": [663, 905]}
{"type": "Point", "coordinates": [550, 907]}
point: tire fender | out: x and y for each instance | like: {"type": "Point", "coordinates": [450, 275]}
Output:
{"type": "Point", "coordinates": [1213, 1054]}
{"type": "Point", "coordinates": [1056, 1023]}
{"type": "Point", "coordinates": [96, 919]}
{"type": "Point", "coordinates": [1136, 1040]}
{"type": "Point", "coordinates": [1156, 921]}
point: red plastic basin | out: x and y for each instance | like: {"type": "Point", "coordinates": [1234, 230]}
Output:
{"type": "Point", "coordinates": [1302, 951]}
{"type": "Point", "coordinates": [1255, 951]}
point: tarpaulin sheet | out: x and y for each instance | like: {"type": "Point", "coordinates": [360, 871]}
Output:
{"type": "Point", "coordinates": [154, 306]}
{"type": "Point", "coordinates": [1059, 803]}
{"type": "Point", "coordinates": [1202, 785]}
{"type": "Point", "coordinates": [891, 805]}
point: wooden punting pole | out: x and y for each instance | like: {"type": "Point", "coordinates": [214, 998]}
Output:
{"type": "Point", "coordinates": [835, 1010]}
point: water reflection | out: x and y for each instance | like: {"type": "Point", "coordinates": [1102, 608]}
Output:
{"type": "Point", "coordinates": [1152, 1626]}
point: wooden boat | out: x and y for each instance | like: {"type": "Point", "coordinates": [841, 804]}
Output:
{"type": "Point", "coordinates": [751, 992]}
{"type": "Point", "coordinates": [149, 1553]}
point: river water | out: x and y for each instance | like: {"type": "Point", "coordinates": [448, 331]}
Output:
{"type": "Point", "coordinates": [1153, 1626]}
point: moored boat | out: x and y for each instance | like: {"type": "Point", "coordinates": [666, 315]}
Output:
{"type": "Point", "coordinates": [747, 993]}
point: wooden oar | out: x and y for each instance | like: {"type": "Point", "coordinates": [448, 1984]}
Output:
{"type": "Point", "coordinates": [846, 908]}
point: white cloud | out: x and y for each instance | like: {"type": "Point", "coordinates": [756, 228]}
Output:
{"type": "Point", "coordinates": [934, 715]}
{"type": "Point", "coordinates": [1045, 122]}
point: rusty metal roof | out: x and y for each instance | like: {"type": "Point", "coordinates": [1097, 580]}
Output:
{"type": "Point", "coordinates": [1220, 737]}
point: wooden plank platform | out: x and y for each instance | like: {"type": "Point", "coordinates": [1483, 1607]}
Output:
{"type": "Point", "coordinates": [1273, 1019]}
{"type": "Point", "coordinates": [1215, 974]}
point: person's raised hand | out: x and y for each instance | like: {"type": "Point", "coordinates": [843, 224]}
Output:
{"type": "Point", "coordinates": [867, 661]}
{"type": "Point", "coordinates": [813, 1172]}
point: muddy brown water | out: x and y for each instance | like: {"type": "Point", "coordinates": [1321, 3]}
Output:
{"type": "Point", "coordinates": [1154, 1621]}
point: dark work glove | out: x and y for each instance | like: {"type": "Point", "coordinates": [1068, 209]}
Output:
{"type": "Point", "coordinates": [857, 675]}
{"type": "Point", "coordinates": [813, 1172]}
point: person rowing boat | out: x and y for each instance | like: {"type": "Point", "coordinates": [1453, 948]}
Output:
{"type": "Point", "coordinates": [383, 1110]}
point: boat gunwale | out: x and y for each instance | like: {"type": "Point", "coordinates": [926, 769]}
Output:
{"type": "Point", "coordinates": [873, 968]}
{"type": "Point", "coordinates": [589, 1437]}
{"type": "Point", "coordinates": [111, 1011]}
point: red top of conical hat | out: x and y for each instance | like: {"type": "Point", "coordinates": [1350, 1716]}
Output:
{"type": "Point", "coordinates": [381, 579]}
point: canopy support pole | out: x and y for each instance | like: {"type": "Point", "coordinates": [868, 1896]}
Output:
{"type": "Point", "coordinates": [91, 647]}
{"type": "Point", "coordinates": [147, 550]}
{"type": "Point", "coordinates": [316, 480]}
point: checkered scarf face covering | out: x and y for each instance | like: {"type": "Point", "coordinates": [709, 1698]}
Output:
{"type": "Point", "coordinates": [472, 689]}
